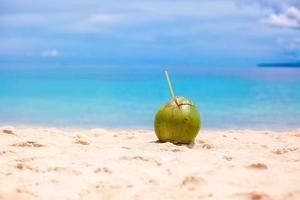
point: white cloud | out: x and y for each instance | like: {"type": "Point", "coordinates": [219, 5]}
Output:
{"type": "Point", "coordinates": [289, 18]}
{"type": "Point", "coordinates": [282, 20]}
{"type": "Point", "coordinates": [50, 53]}
{"type": "Point", "coordinates": [294, 13]}
{"type": "Point", "coordinates": [101, 16]}
{"type": "Point", "coordinates": [106, 18]}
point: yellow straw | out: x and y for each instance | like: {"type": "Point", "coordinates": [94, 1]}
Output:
{"type": "Point", "coordinates": [169, 82]}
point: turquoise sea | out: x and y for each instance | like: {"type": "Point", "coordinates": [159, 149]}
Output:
{"type": "Point", "coordinates": [128, 96]}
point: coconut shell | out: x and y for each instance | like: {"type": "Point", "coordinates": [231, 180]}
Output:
{"type": "Point", "coordinates": [177, 121]}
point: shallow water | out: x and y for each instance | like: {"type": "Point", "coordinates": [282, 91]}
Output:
{"type": "Point", "coordinates": [117, 96]}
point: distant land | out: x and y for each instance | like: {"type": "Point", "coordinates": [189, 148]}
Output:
{"type": "Point", "coordinates": [284, 64]}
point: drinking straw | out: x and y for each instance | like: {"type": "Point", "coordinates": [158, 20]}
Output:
{"type": "Point", "coordinates": [170, 85]}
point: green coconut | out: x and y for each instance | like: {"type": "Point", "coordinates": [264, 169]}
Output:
{"type": "Point", "coordinates": [177, 121]}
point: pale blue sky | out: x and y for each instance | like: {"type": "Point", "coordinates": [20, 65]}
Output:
{"type": "Point", "coordinates": [211, 32]}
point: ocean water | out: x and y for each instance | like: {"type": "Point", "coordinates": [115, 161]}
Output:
{"type": "Point", "coordinates": [128, 96]}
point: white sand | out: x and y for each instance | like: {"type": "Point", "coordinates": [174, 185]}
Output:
{"type": "Point", "coordinates": [47, 163]}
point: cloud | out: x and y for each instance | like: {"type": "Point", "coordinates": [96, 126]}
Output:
{"type": "Point", "coordinates": [125, 18]}
{"type": "Point", "coordinates": [278, 13]}
{"type": "Point", "coordinates": [282, 20]}
{"type": "Point", "coordinates": [140, 29]}
{"type": "Point", "coordinates": [50, 53]}
{"type": "Point", "coordinates": [106, 18]}
{"type": "Point", "coordinates": [289, 18]}
{"type": "Point", "coordinates": [130, 13]}
{"type": "Point", "coordinates": [294, 12]}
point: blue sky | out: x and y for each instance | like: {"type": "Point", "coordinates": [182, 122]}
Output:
{"type": "Point", "coordinates": [211, 32]}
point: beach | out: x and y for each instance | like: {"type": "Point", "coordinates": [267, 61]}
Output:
{"type": "Point", "coordinates": [52, 163]}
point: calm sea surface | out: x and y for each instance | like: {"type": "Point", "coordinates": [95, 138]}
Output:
{"type": "Point", "coordinates": [117, 96]}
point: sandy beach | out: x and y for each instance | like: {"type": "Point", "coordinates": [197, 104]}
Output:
{"type": "Point", "coordinates": [50, 163]}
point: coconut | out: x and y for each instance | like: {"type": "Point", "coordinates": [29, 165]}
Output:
{"type": "Point", "coordinates": [177, 121]}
